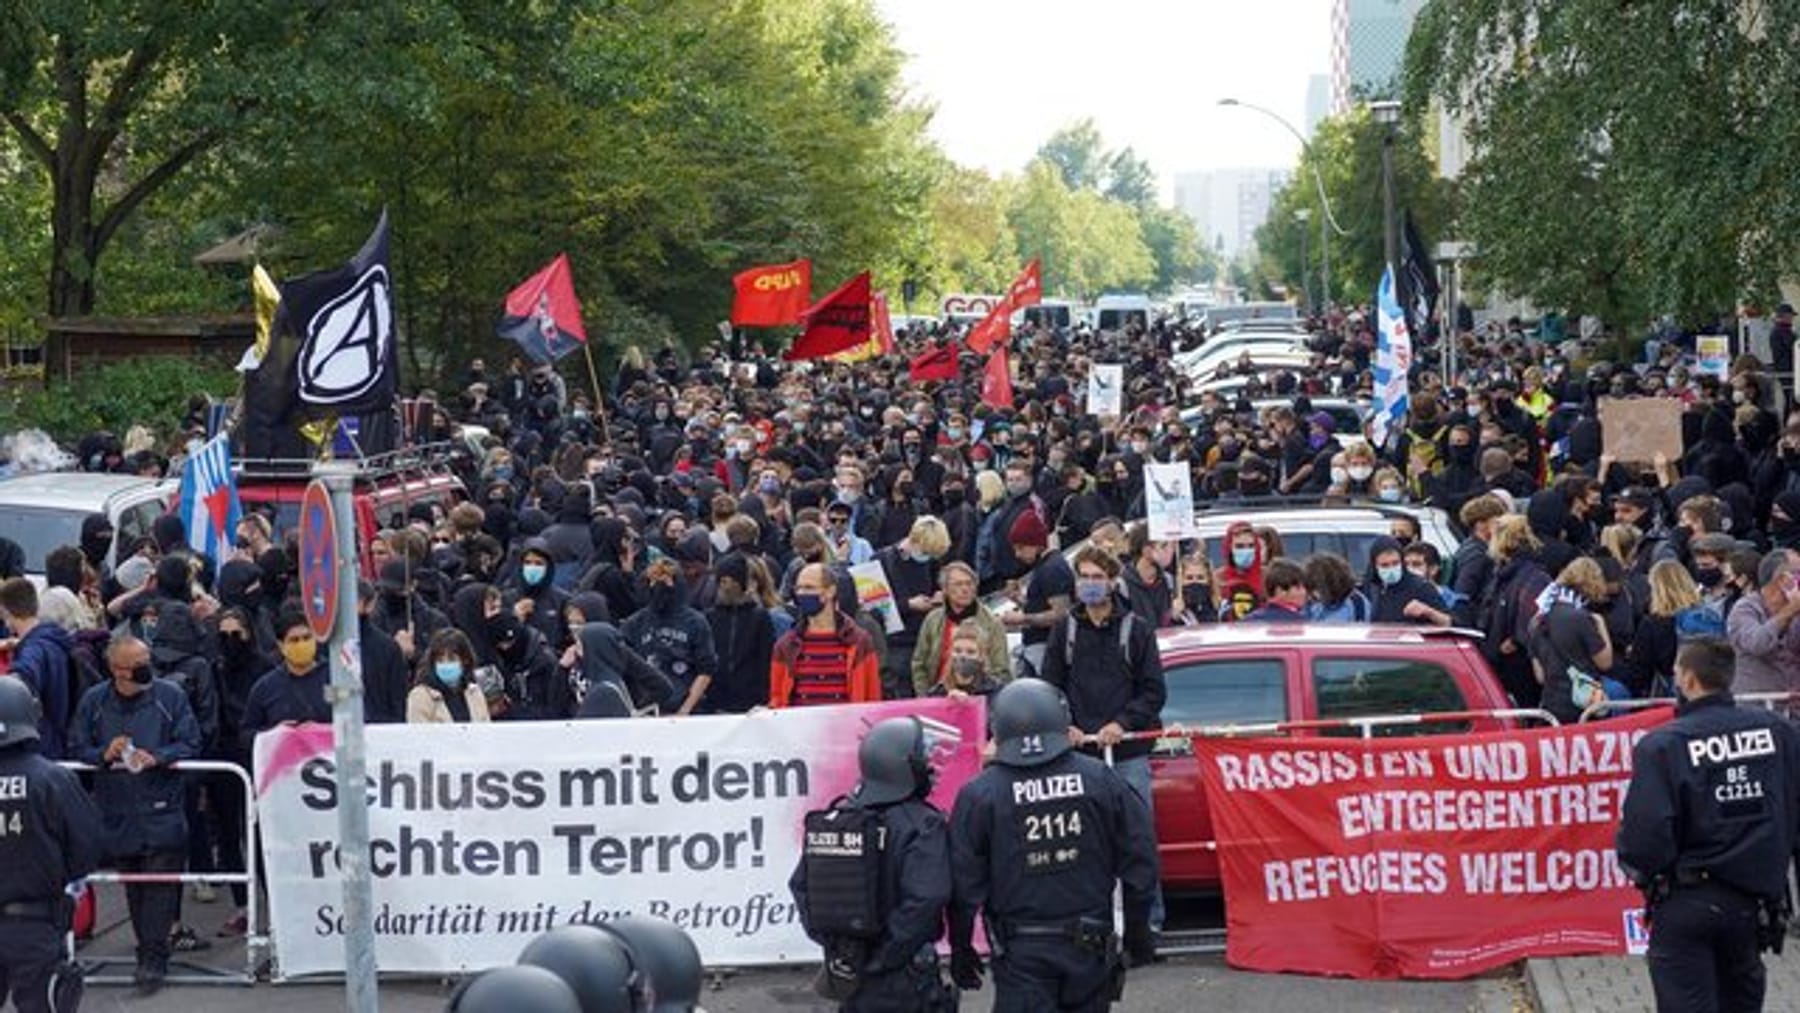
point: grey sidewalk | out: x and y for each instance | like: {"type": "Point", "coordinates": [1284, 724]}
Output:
{"type": "Point", "coordinates": [1608, 984]}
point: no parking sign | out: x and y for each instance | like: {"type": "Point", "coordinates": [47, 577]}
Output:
{"type": "Point", "coordinates": [318, 560]}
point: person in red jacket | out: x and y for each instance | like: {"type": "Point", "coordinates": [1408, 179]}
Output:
{"type": "Point", "coordinates": [827, 659]}
{"type": "Point", "coordinates": [1241, 576]}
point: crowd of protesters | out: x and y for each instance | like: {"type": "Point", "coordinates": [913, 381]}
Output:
{"type": "Point", "coordinates": [688, 549]}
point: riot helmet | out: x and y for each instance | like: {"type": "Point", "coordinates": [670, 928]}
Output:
{"type": "Point", "coordinates": [19, 712]}
{"type": "Point", "coordinates": [1030, 722]}
{"type": "Point", "coordinates": [515, 990]}
{"type": "Point", "coordinates": [597, 965]}
{"type": "Point", "coordinates": [667, 957]}
{"type": "Point", "coordinates": [895, 762]}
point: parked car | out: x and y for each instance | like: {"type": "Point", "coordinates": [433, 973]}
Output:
{"type": "Point", "coordinates": [1348, 414]}
{"type": "Point", "coordinates": [1347, 530]}
{"type": "Point", "coordinates": [44, 510]}
{"type": "Point", "coordinates": [1262, 673]}
{"type": "Point", "coordinates": [390, 485]}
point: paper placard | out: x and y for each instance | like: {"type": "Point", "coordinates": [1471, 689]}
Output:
{"type": "Point", "coordinates": [1639, 428]}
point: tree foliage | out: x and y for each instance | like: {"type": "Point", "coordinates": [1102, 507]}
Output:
{"type": "Point", "coordinates": [1631, 159]}
{"type": "Point", "coordinates": [1346, 152]}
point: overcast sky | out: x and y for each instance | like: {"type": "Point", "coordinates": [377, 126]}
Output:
{"type": "Point", "coordinates": [1005, 74]}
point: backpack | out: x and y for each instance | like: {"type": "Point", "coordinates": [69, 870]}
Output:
{"type": "Point", "coordinates": [841, 851]}
{"type": "Point", "coordinates": [1706, 619]}
{"type": "Point", "coordinates": [87, 663]}
{"type": "Point", "coordinates": [1124, 639]}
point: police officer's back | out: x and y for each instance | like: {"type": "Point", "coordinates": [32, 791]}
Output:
{"type": "Point", "coordinates": [1709, 832]}
{"type": "Point", "coordinates": [885, 853]}
{"type": "Point", "coordinates": [1038, 841]}
{"type": "Point", "coordinates": [50, 835]}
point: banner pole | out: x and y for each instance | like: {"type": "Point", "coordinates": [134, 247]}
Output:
{"type": "Point", "coordinates": [587, 349]}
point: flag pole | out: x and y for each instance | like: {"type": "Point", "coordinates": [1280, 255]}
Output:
{"type": "Point", "coordinates": [587, 349]}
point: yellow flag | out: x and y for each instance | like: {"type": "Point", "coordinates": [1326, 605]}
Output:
{"type": "Point", "coordinates": [267, 298]}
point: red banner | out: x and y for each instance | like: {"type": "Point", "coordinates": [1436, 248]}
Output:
{"type": "Point", "coordinates": [1026, 290]}
{"type": "Point", "coordinates": [996, 380]}
{"type": "Point", "coordinates": [1436, 857]}
{"type": "Point", "coordinates": [772, 295]}
{"type": "Point", "coordinates": [935, 363]}
{"type": "Point", "coordinates": [838, 322]}
{"type": "Point", "coordinates": [883, 323]}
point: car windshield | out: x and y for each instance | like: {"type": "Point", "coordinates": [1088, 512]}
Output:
{"type": "Point", "coordinates": [40, 531]}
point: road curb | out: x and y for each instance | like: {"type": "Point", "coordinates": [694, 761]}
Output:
{"type": "Point", "coordinates": [1544, 987]}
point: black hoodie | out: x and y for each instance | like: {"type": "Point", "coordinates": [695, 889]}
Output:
{"type": "Point", "coordinates": [613, 679]}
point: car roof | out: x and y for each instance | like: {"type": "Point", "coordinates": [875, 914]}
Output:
{"type": "Point", "coordinates": [1328, 515]}
{"type": "Point", "coordinates": [70, 490]}
{"type": "Point", "coordinates": [1177, 639]}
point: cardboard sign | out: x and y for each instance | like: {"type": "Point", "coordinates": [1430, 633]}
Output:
{"type": "Point", "coordinates": [1639, 428]}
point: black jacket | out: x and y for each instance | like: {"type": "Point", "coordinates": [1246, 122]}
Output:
{"type": "Point", "coordinates": [61, 830]}
{"type": "Point", "coordinates": [915, 885]}
{"type": "Point", "coordinates": [1103, 683]}
{"type": "Point", "coordinates": [744, 638]}
{"type": "Point", "coordinates": [386, 676]}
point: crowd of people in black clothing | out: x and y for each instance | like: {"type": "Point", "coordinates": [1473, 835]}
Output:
{"type": "Point", "coordinates": [688, 545]}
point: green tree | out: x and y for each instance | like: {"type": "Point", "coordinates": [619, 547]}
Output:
{"type": "Point", "coordinates": [1174, 242]}
{"type": "Point", "coordinates": [1129, 179]}
{"type": "Point", "coordinates": [1632, 159]}
{"type": "Point", "coordinates": [1078, 155]}
{"type": "Point", "coordinates": [1346, 150]}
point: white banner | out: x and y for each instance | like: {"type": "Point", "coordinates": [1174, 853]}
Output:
{"type": "Point", "coordinates": [1106, 390]}
{"type": "Point", "coordinates": [482, 836]}
{"type": "Point", "coordinates": [1169, 502]}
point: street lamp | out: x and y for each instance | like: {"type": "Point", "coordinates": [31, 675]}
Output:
{"type": "Point", "coordinates": [1319, 182]}
{"type": "Point", "coordinates": [1387, 113]}
{"type": "Point", "coordinates": [1303, 215]}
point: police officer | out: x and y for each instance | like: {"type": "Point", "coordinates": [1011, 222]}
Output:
{"type": "Point", "coordinates": [886, 832]}
{"type": "Point", "coordinates": [1708, 833]}
{"type": "Point", "coordinates": [525, 988]}
{"type": "Point", "coordinates": [1037, 842]}
{"type": "Point", "coordinates": [50, 835]}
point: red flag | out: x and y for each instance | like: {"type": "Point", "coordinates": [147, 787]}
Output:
{"type": "Point", "coordinates": [996, 380]}
{"type": "Point", "coordinates": [837, 322]}
{"type": "Point", "coordinates": [1026, 290]}
{"type": "Point", "coordinates": [543, 316]}
{"type": "Point", "coordinates": [883, 322]}
{"type": "Point", "coordinates": [772, 295]}
{"type": "Point", "coordinates": [936, 363]}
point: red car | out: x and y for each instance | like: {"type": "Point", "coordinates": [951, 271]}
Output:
{"type": "Point", "coordinates": [1262, 673]}
{"type": "Point", "coordinates": [379, 500]}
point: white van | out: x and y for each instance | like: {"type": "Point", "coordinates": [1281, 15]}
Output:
{"type": "Point", "coordinates": [1116, 312]}
{"type": "Point", "coordinates": [44, 510]}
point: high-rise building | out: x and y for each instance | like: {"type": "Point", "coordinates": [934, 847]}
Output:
{"type": "Point", "coordinates": [1368, 48]}
{"type": "Point", "coordinates": [1318, 102]}
{"type": "Point", "coordinates": [1228, 205]}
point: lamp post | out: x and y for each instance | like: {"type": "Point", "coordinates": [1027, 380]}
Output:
{"type": "Point", "coordinates": [1387, 113]}
{"type": "Point", "coordinates": [1302, 215]}
{"type": "Point", "coordinates": [1325, 219]}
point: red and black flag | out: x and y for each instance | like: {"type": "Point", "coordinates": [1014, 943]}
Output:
{"type": "Point", "coordinates": [835, 323]}
{"type": "Point", "coordinates": [543, 317]}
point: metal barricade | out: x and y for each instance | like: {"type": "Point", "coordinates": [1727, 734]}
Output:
{"type": "Point", "coordinates": [1782, 703]}
{"type": "Point", "coordinates": [256, 944]}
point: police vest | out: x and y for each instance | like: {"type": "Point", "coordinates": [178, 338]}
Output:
{"type": "Point", "coordinates": [842, 854]}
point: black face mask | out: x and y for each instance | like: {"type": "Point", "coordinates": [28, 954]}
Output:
{"type": "Point", "coordinates": [1708, 577]}
{"type": "Point", "coordinates": [662, 597]}
{"type": "Point", "coordinates": [142, 675]}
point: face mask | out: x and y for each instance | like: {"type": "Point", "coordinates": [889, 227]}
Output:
{"type": "Point", "coordinates": [1316, 440]}
{"type": "Point", "coordinates": [954, 432]}
{"type": "Point", "coordinates": [1090, 591]}
{"type": "Point", "coordinates": [662, 596]}
{"type": "Point", "coordinates": [1339, 476]}
{"type": "Point", "coordinates": [1708, 577]}
{"type": "Point", "coordinates": [849, 497]}
{"type": "Point", "coordinates": [1017, 488]}
{"type": "Point", "coordinates": [966, 669]}
{"type": "Point", "coordinates": [919, 557]}
{"type": "Point", "coordinates": [1388, 494]}
{"type": "Point", "coordinates": [1243, 558]}
{"type": "Point", "coordinates": [808, 604]}
{"type": "Point", "coordinates": [1390, 575]}
{"type": "Point", "coordinates": [504, 472]}
{"type": "Point", "coordinates": [1737, 397]}
{"type": "Point", "coordinates": [1140, 447]}
{"type": "Point", "coordinates": [953, 493]}
{"type": "Point", "coordinates": [448, 671]}
{"type": "Point", "coordinates": [533, 573]}
{"type": "Point", "coordinates": [142, 675]}
{"type": "Point", "coordinates": [1361, 474]}
{"type": "Point", "coordinates": [300, 655]}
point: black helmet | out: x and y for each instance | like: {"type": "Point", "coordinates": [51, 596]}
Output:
{"type": "Point", "coordinates": [19, 713]}
{"type": "Point", "coordinates": [515, 990]}
{"type": "Point", "coordinates": [668, 958]}
{"type": "Point", "coordinates": [1030, 721]}
{"type": "Point", "coordinates": [895, 763]}
{"type": "Point", "coordinates": [598, 966]}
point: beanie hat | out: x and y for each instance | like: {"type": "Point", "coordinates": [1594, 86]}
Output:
{"type": "Point", "coordinates": [1029, 530]}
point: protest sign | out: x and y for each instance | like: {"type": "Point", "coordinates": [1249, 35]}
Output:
{"type": "Point", "coordinates": [1714, 353]}
{"type": "Point", "coordinates": [1106, 390]}
{"type": "Point", "coordinates": [1637, 429]}
{"type": "Point", "coordinates": [484, 835]}
{"type": "Point", "coordinates": [1169, 502]}
{"type": "Point", "coordinates": [1423, 858]}
{"type": "Point", "coordinates": [874, 593]}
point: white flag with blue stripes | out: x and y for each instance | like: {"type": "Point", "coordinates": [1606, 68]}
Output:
{"type": "Point", "coordinates": [209, 500]}
{"type": "Point", "coordinates": [1393, 360]}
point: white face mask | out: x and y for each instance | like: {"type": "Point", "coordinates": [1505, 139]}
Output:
{"type": "Point", "coordinates": [1361, 474]}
